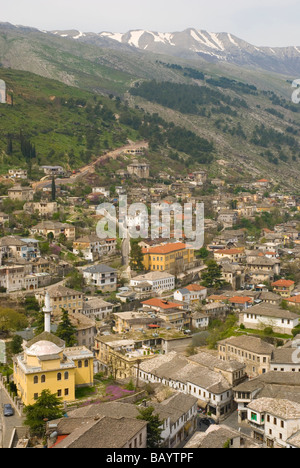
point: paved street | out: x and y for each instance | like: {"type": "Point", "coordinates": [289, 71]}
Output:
{"type": "Point", "coordinates": [7, 425]}
{"type": "Point", "coordinates": [232, 423]}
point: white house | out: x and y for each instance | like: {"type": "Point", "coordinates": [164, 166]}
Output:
{"type": "Point", "coordinates": [101, 191]}
{"type": "Point", "coordinates": [275, 422]}
{"type": "Point", "coordinates": [101, 276]}
{"type": "Point", "coordinates": [179, 414]}
{"type": "Point", "coordinates": [97, 308]}
{"type": "Point", "coordinates": [213, 391]}
{"type": "Point", "coordinates": [267, 315]}
{"type": "Point", "coordinates": [160, 281]}
{"type": "Point", "coordinates": [200, 320]}
{"type": "Point", "coordinates": [191, 293]}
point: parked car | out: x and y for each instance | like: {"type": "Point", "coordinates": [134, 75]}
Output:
{"type": "Point", "coordinates": [207, 421]}
{"type": "Point", "coordinates": [8, 410]}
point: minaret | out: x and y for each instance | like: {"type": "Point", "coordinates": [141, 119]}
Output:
{"type": "Point", "coordinates": [47, 309]}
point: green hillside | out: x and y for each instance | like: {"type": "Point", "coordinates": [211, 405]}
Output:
{"type": "Point", "coordinates": [65, 124]}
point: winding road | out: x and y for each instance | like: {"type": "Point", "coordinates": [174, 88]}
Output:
{"type": "Point", "coordinates": [90, 168]}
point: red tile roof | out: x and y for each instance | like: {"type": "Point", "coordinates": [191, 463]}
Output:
{"type": "Point", "coordinates": [294, 299]}
{"type": "Point", "coordinates": [240, 300]}
{"type": "Point", "coordinates": [195, 287]}
{"type": "Point", "coordinates": [165, 249]}
{"type": "Point", "coordinates": [163, 304]}
{"type": "Point", "coordinates": [283, 283]}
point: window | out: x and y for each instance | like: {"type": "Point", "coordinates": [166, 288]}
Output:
{"type": "Point", "coordinates": [66, 391]}
{"type": "Point", "coordinates": [79, 364]}
{"type": "Point", "coordinates": [35, 379]}
{"type": "Point", "coordinates": [66, 375]}
{"type": "Point", "coordinates": [43, 379]}
{"type": "Point", "coordinates": [59, 376]}
{"type": "Point", "coordinates": [253, 417]}
{"type": "Point", "coordinates": [86, 363]}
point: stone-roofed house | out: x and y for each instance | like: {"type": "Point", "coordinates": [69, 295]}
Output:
{"type": "Point", "coordinates": [212, 389]}
{"type": "Point", "coordinates": [266, 315]}
{"type": "Point", "coordinates": [54, 228]}
{"type": "Point", "coordinates": [282, 385]}
{"type": "Point", "coordinates": [255, 353]}
{"type": "Point", "coordinates": [17, 192]}
{"type": "Point", "coordinates": [178, 413]}
{"type": "Point", "coordinates": [104, 432]}
{"type": "Point", "coordinates": [218, 437]}
{"type": "Point", "coordinates": [62, 297]}
{"type": "Point", "coordinates": [274, 421]}
{"type": "Point", "coordinates": [97, 309]}
{"type": "Point", "coordinates": [263, 269]}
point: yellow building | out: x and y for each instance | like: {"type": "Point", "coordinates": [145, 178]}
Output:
{"type": "Point", "coordinates": [174, 258]}
{"type": "Point", "coordinates": [46, 365]}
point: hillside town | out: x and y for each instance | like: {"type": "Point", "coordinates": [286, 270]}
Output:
{"type": "Point", "coordinates": [123, 331]}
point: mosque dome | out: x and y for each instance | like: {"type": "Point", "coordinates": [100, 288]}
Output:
{"type": "Point", "coordinates": [43, 348]}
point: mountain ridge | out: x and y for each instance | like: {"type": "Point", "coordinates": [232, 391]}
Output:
{"type": "Point", "coordinates": [191, 44]}
{"type": "Point", "coordinates": [213, 47]}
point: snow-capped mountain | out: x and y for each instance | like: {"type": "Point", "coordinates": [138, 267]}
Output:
{"type": "Point", "coordinates": [189, 44]}
{"type": "Point", "coordinates": [192, 42]}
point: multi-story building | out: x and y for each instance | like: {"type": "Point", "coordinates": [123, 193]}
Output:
{"type": "Point", "coordinates": [97, 309]}
{"type": "Point", "coordinates": [192, 293]}
{"type": "Point", "coordinates": [92, 247]}
{"type": "Point", "coordinates": [55, 228]}
{"type": "Point", "coordinates": [19, 193]}
{"type": "Point", "coordinates": [139, 169]}
{"type": "Point", "coordinates": [174, 258]}
{"type": "Point", "coordinates": [102, 277]}
{"type": "Point", "coordinates": [20, 248]}
{"type": "Point", "coordinates": [283, 287]}
{"type": "Point", "coordinates": [17, 278]}
{"type": "Point", "coordinates": [63, 298]}
{"type": "Point", "coordinates": [271, 384]}
{"type": "Point", "coordinates": [231, 255]}
{"type": "Point", "coordinates": [160, 281]}
{"type": "Point", "coordinates": [255, 353]}
{"type": "Point", "coordinates": [199, 379]}
{"type": "Point", "coordinates": [266, 315]}
{"type": "Point", "coordinates": [42, 208]}
{"type": "Point", "coordinates": [275, 422]}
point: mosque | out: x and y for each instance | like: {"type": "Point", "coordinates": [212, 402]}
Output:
{"type": "Point", "coordinates": [46, 364]}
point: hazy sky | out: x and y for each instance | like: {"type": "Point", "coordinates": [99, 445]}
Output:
{"type": "Point", "coordinates": [260, 22]}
